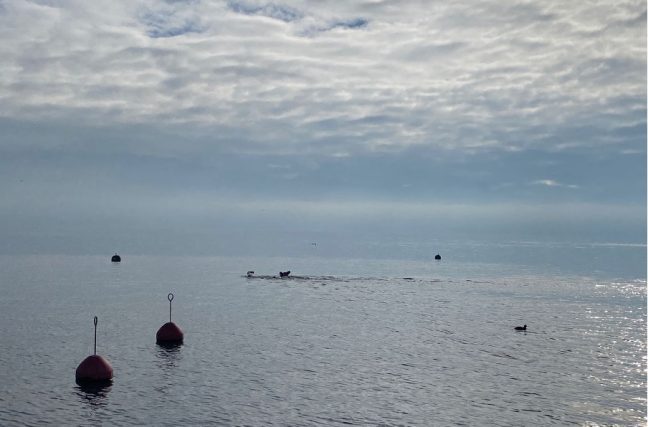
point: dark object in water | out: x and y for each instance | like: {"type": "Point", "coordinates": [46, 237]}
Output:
{"type": "Point", "coordinates": [437, 257]}
{"type": "Point", "coordinates": [94, 369]}
{"type": "Point", "coordinates": [169, 334]}
{"type": "Point", "coordinates": [250, 273]}
{"type": "Point", "coordinates": [284, 273]}
{"type": "Point", "coordinates": [520, 328]}
{"type": "Point", "coordinates": [115, 258]}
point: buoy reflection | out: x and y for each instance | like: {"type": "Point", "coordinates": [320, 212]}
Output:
{"type": "Point", "coordinates": [168, 355]}
{"type": "Point", "coordinates": [95, 394]}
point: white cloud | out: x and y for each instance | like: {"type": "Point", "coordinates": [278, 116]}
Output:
{"type": "Point", "coordinates": [333, 77]}
{"type": "Point", "coordinates": [553, 183]}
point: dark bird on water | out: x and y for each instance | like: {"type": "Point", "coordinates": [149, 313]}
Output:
{"type": "Point", "coordinates": [520, 328]}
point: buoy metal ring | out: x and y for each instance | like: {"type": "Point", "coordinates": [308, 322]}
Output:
{"type": "Point", "coordinates": [170, 297]}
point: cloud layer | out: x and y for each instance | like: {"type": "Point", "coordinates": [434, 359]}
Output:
{"type": "Point", "coordinates": [334, 78]}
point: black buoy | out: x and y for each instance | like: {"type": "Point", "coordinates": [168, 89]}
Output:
{"type": "Point", "coordinates": [169, 333]}
{"type": "Point", "coordinates": [437, 257]}
{"type": "Point", "coordinates": [115, 258]}
{"type": "Point", "coordinates": [94, 369]}
{"type": "Point", "coordinates": [520, 328]}
{"type": "Point", "coordinates": [284, 273]}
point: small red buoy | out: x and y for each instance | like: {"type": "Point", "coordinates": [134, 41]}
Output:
{"type": "Point", "coordinates": [94, 368]}
{"type": "Point", "coordinates": [169, 333]}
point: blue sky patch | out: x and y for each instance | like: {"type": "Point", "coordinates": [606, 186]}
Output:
{"type": "Point", "coordinates": [269, 10]}
{"type": "Point", "coordinates": [168, 24]}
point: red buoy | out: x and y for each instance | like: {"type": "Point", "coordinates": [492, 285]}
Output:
{"type": "Point", "coordinates": [94, 368]}
{"type": "Point", "coordinates": [169, 333]}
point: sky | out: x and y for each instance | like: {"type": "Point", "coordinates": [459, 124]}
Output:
{"type": "Point", "coordinates": [196, 126]}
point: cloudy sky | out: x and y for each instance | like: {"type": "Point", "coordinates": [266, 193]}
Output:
{"type": "Point", "coordinates": [185, 119]}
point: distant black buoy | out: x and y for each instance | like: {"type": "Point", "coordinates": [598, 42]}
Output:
{"type": "Point", "coordinates": [169, 333]}
{"type": "Point", "coordinates": [115, 258]}
{"type": "Point", "coordinates": [437, 257]}
{"type": "Point", "coordinates": [94, 369]}
{"type": "Point", "coordinates": [520, 328]}
{"type": "Point", "coordinates": [284, 273]}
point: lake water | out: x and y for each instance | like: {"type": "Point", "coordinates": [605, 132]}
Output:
{"type": "Point", "coordinates": [347, 341]}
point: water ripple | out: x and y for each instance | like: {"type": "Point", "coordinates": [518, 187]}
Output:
{"type": "Point", "coordinates": [321, 349]}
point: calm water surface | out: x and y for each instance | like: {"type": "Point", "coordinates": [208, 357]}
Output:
{"type": "Point", "coordinates": [346, 342]}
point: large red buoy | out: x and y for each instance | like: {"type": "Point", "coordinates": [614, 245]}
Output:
{"type": "Point", "coordinates": [94, 368]}
{"type": "Point", "coordinates": [169, 333]}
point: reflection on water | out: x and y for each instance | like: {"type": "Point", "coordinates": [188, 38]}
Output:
{"type": "Point", "coordinates": [168, 355]}
{"type": "Point", "coordinates": [94, 394]}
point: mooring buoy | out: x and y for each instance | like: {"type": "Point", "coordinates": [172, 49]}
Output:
{"type": "Point", "coordinates": [94, 368]}
{"type": "Point", "coordinates": [169, 333]}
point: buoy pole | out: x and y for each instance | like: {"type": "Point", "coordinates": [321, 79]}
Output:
{"type": "Point", "coordinates": [170, 298]}
{"type": "Point", "coordinates": [95, 346]}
